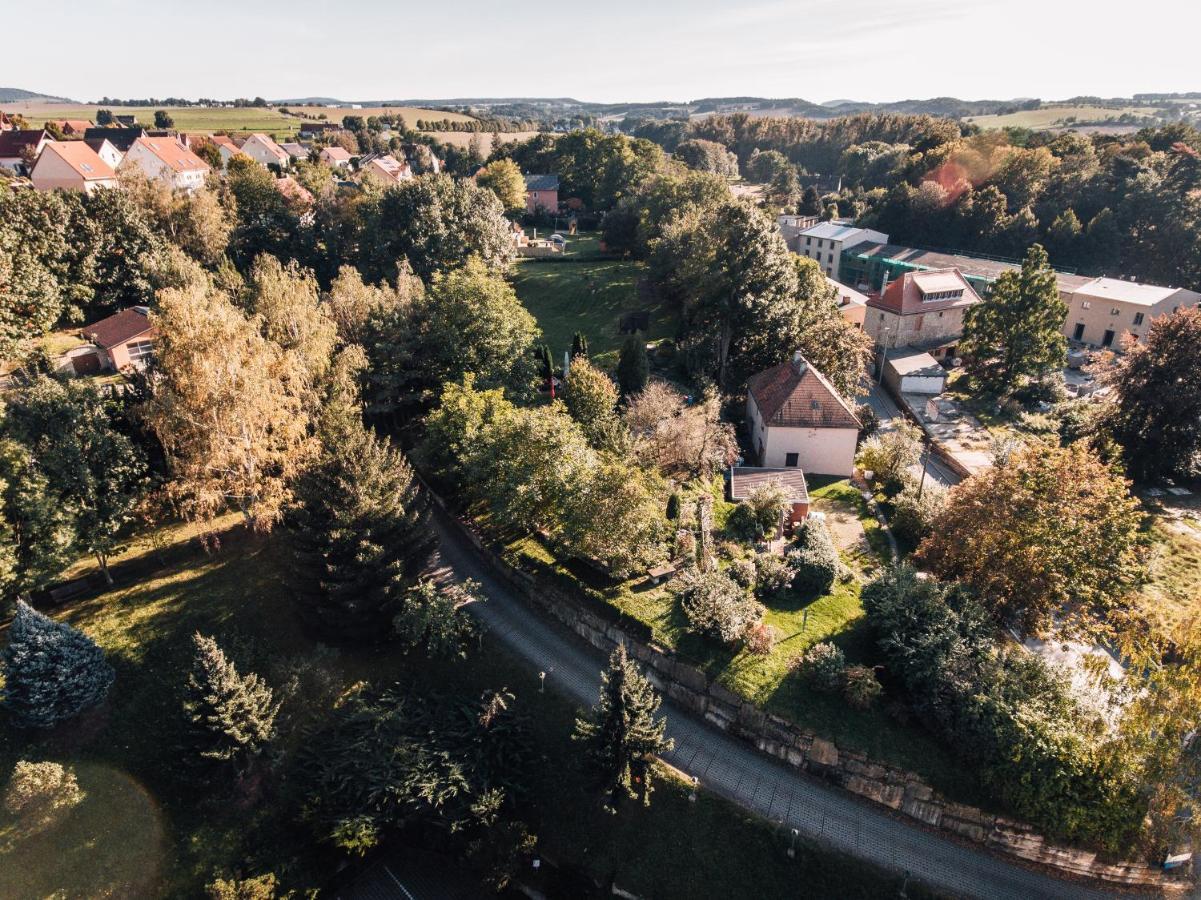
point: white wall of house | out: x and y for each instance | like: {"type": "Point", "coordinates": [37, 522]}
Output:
{"type": "Point", "coordinates": [819, 451]}
{"type": "Point", "coordinates": [262, 153]}
{"type": "Point", "coordinates": [110, 154]}
{"type": "Point", "coordinates": [153, 167]}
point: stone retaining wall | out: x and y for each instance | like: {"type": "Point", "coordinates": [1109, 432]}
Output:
{"type": "Point", "coordinates": [888, 785]}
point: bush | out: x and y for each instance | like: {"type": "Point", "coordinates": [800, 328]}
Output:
{"type": "Point", "coordinates": [262, 887]}
{"type": "Point", "coordinates": [814, 560]}
{"type": "Point", "coordinates": [39, 792]}
{"type": "Point", "coordinates": [773, 576]}
{"type": "Point", "coordinates": [716, 607]}
{"type": "Point", "coordinates": [760, 639]}
{"type": "Point", "coordinates": [912, 518]}
{"type": "Point", "coordinates": [743, 524]}
{"type": "Point", "coordinates": [869, 421]}
{"type": "Point", "coordinates": [862, 689]}
{"type": "Point", "coordinates": [742, 571]}
{"type": "Point", "coordinates": [825, 666]}
{"type": "Point", "coordinates": [889, 455]}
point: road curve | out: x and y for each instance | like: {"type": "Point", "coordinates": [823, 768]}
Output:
{"type": "Point", "coordinates": [734, 770]}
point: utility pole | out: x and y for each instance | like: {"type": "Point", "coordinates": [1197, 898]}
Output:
{"type": "Point", "coordinates": [925, 462]}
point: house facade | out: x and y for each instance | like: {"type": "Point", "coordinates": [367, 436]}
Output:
{"type": "Point", "coordinates": [541, 194]}
{"type": "Point", "coordinates": [924, 310]}
{"type": "Point", "coordinates": [336, 157]}
{"type": "Point", "coordinates": [263, 149]}
{"type": "Point", "coordinates": [384, 170]}
{"type": "Point", "coordinates": [226, 147]}
{"type": "Point", "coordinates": [1106, 312]}
{"type": "Point", "coordinates": [851, 303]}
{"type": "Point", "coordinates": [791, 227]}
{"type": "Point", "coordinates": [167, 159]}
{"type": "Point", "coordinates": [797, 419]}
{"type": "Point", "coordinates": [72, 166]}
{"type": "Point", "coordinates": [20, 146]}
{"type": "Point", "coordinates": [825, 242]}
{"type": "Point", "coordinates": [123, 341]}
{"type": "Point", "coordinates": [106, 151]}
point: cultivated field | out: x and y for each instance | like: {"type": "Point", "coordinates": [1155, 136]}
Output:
{"type": "Point", "coordinates": [1054, 116]}
{"type": "Point", "coordinates": [462, 139]}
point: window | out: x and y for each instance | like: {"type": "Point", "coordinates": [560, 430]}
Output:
{"type": "Point", "coordinates": [1084, 304]}
{"type": "Point", "coordinates": [1114, 311]}
{"type": "Point", "coordinates": [1138, 318]}
{"type": "Point", "coordinates": [792, 460]}
{"type": "Point", "coordinates": [815, 404]}
{"type": "Point", "coordinates": [140, 350]}
{"type": "Point", "coordinates": [808, 242]}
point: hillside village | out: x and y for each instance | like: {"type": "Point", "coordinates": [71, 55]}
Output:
{"type": "Point", "coordinates": [375, 511]}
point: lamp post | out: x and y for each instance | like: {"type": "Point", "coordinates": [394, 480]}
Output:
{"type": "Point", "coordinates": [925, 462]}
{"type": "Point", "coordinates": [541, 682]}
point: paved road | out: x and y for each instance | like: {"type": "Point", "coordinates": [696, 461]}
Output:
{"type": "Point", "coordinates": [887, 410]}
{"type": "Point", "coordinates": [734, 770]}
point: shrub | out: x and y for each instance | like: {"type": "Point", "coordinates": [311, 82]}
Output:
{"type": "Point", "coordinates": [814, 560]}
{"type": "Point", "coordinates": [39, 792]}
{"type": "Point", "coordinates": [715, 606]}
{"type": "Point", "coordinates": [869, 420]}
{"type": "Point", "coordinates": [743, 524]}
{"type": "Point", "coordinates": [912, 518]}
{"type": "Point", "coordinates": [742, 571]}
{"type": "Point", "coordinates": [889, 455]}
{"type": "Point", "coordinates": [262, 887]}
{"type": "Point", "coordinates": [773, 576]}
{"type": "Point", "coordinates": [686, 547]}
{"type": "Point", "coordinates": [825, 666]}
{"type": "Point", "coordinates": [862, 689]}
{"type": "Point", "coordinates": [760, 639]}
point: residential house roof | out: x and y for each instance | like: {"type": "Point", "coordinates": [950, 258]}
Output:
{"type": "Point", "coordinates": [295, 150]}
{"type": "Point", "coordinates": [1118, 291]}
{"type": "Point", "coordinates": [796, 395]}
{"type": "Point", "coordinates": [273, 148]}
{"type": "Point", "coordinates": [835, 231]}
{"type": "Point", "coordinates": [97, 143]}
{"type": "Point", "coordinates": [178, 157]}
{"type": "Point", "coordinates": [293, 190]}
{"type": "Point", "coordinates": [744, 480]}
{"type": "Point", "coordinates": [337, 154]}
{"type": "Point", "coordinates": [121, 138]}
{"type": "Point", "coordinates": [542, 182]}
{"type": "Point", "coordinates": [915, 293]}
{"type": "Point", "coordinates": [124, 326]}
{"type": "Point", "coordinates": [74, 126]}
{"type": "Point", "coordinates": [388, 166]}
{"type": "Point", "coordinates": [80, 157]}
{"type": "Point", "coordinates": [14, 141]}
{"type": "Point", "coordinates": [846, 295]}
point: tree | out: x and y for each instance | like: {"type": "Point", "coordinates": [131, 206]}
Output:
{"type": "Point", "coordinates": [707, 156]}
{"type": "Point", "coordinates": [715, 605]}
{"type": "Point", "coordinates": [762, 511]}
{"type": "Point", "coordinates": [504, 178]}
{"type": "Point", "coordinates": [432, 617]}
{"type": "Point", "coordinates": [229, 408]}
{"type": "Point", "coordinates": [96, 474]}
{"type": "Point", "coordinates": [51, 671]}
{"type": "Point", "coordinates": [615, 517]}
{"type": "Point", "coordinates": [784, 189]}
{"type": "Point", "coordinates": [39, 793]}
{"type": "Point", "coordinates": [1015, 332]}
{"type": "Point", "coordinates": [680, 439]}
{"type": "Point", "coordinates": [890, 454]}
{"type": "Point", "coordinates": [360, 531]}
{"type": "Point", "coordinates": [633, 366]}
{"type": "Point", "coordinates": [835, 347]}
{"type": "Point", "coordinates": [591, 398]}
{"type": "Point", "coordinates": [1047, 531]}
{"type": "Point", "coordinates": [370, 313]}
{"type": "Point", "coordinates": [162, 119]}
{"type": "Point", "coordinates": [231, 716]}
{"type": "Point", "coordinates": [261, 887]}
{"type": "Point", "coordinates": [37, 535]}
{"type": "Point", "coordinates": [265, 221]}
{"type": "Point", "coordinates": [1155, 411]}
{"type": "Point", "coordinates": [814, 559]}
{"type": "Point", "coordinates": [579, 345]}
{"type": "Point", "coordinates": [621, 734]}
{"type": "Point", "coordinates": [104, 117]}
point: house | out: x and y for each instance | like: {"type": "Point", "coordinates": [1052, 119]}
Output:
{"type": "Point", "coordinates": [73, 166]}
{"type": "Point", "coordinates": [295, 151]}
{"type": "Point", "coordinates": [909, 371]}
{"type": "Point", "coordinates": [126, 121]}
{"type": "Point", "coordinates": [825, 242]}
{"type": "Point", "coordinates": [106, 151]}
{"type": "Point", "coordinates": [337, 157]}
{"type": "Point", "coordinates": [318, 129]}
{"type": "Point", "coordinates": [797, 419]}
{"type": "Point", "coordinates": [541, 194]}
{"type": "Point", "coordinates": [226, 147]}
{"type": "Point", "coordinates": [168, 159]}
{"type": "Point", "coordinates": [73, 127]}
{"type": "Point", "coordinates": [384, 170]}
{"type": "Point", "coordinates": [851, 303]}
{"type": "Point", "coordinates": [1105, 311]}
{"type": "Point", "coordinates": [121, 138]}
{"type": "Point", "coordinates": [744, 480]}
{"type": "Point", "coordinates": [19, 147]}
{"type": "Point", "coordinates": [921, 309]}
{"type": "Point", "coordinates": [123, 341]}
{"type": "Point", "coordinates": [263, 149]}
{"type": "Point", "coordinates": [791, 228]}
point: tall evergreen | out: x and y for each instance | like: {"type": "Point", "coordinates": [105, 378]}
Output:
{"type": "Point", "coordinates": [51, 670]}
{"type": "Point", "coordinates": [633, 367]}
{"type": "Point", "coordinates": [621, 733]}
{"type": "Point", "coordinates": [579, 345]}
{"type": "Point", "coordinates": [231, 716]}
{"type": "Point", "coordinates": [361, 531]}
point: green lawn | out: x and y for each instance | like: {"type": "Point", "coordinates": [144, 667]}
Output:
{"type": "Point", "coordinates": [147, 827]}
{"type": "Point", "coordinates": [1173, 594]}
{"type": "Point", "coordinates": [584, 290]}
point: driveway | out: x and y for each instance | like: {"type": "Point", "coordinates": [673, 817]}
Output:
{"type": "Point", "coordinates": [888, 412]}
{"type": "Point", "coordinates": [734, 770]}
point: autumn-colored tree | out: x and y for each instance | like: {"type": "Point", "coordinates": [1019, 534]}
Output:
{"type": "Point", "coordinates": [678, 438]}
{"type": "Point", "coordinates": [1047, 531]}
{"type": "Point", "coordinates": [836, 348]}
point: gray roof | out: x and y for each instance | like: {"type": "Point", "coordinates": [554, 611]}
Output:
{"type": "Point", "coordinates": [834, 230]}
{"type": "Point", "coordinates": [542, 182]}
{"type": "Point", "coordinates": [744, 480]}
{"type": "Point", "coordinates": [910, 361]}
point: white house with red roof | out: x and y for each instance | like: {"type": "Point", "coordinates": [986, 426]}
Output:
{"type": "Point", "coordinates": [385, 170]}
{"type": "Point", "coordinates": [796, 418]}
{"type": "Point", "coordinates": [226, 147]}
{"type": "Point", "coordinates": [263, 149]}
{"type": "Point", "coordinates": [123, 341]}
{"type": "Point", "coordinates": [336, 157]}
{"type": "Point", "coordinates": [72, 166]}
{"type": "Point", "coordinates": [921, 309]}
{"type": "Point", "coordinates": [167, 159]}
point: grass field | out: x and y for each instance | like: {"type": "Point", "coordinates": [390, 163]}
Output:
{"type": "Point", "coordinates": [462, 139]}
{"type": "Point", "coordinates": [202, 119]}
{"type": "Point", "coordinates": [1053, 116]}
{"type": "Point", "coordinates": [149, 827]}
{"type": "Point", "coordinates": [1173, 595]}
{"type": "Point", "coordinates": [584, 290]}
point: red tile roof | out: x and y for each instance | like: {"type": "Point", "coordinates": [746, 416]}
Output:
{"type": "Point", "coordinates": [906, 295]}
{"type": "Point", "coordinates": [79, 156]}
{"type": "Point", "coordinates": [178, 157]}
{"type": "Point", "coordinates": [795, 395]}
{"type": "Point", "coordinates": [293, 190]}
{"type": "Point", "coordinates": [124, 326]}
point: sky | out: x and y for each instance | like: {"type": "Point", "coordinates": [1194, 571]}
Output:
{"type": "Point", "coordinates": [617, 50]}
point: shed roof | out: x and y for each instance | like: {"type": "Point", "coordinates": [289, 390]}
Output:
{"type": "Point", "coordinates": [542, 182]}
{"type": "Point", "coordinates": [908, 361]}
{"type": "Point", "coordinates": [124, 326]}
{"type": "Point", "coordinates": [744, 479]}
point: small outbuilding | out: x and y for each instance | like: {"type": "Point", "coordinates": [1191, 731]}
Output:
{"type": "Point", "coordinates": [909, 371]}
{"type": "Point", "coordinates": [744, 480]}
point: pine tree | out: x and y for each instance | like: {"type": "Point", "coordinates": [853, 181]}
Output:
{"type": "Point", "coordinates": [546, 366]}
{"type": "Point", "coordinates": [621, 733]}
{"type": "Point", "coordinates": [579, 345]}
{"type": "Point", "coordinates": [361, 531]}
{"type": "Point", "coordinates": [52, 671]}
{"type": "Point", "coordinates": [232, 716]}
{"type": "Point", "coordinates": [633, 367]}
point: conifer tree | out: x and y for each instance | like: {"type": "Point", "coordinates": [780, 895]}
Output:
{"type": "Point", "coordinates": [579, 345]}
{"type": "Point", "coordinates": [621, 733]}
{"type": "Point", "coordinates": [51, 670]}
{"type": "Point", "coordinates": [633, 367]}
{"type": "Point", "coordinates": [231, 716]}
{"type": "Point", "coordinates": [361, 530]}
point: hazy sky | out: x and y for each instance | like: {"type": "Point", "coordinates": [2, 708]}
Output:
{"type": "Point", "coordinates": [605, 51]}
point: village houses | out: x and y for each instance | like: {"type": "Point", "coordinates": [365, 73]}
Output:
{"type": "Point", "coordinates": [263, 149]}
{"type": "Point", "coordinates": [72, 165]}
{"type": "Point", "coordinates": [167, 159]}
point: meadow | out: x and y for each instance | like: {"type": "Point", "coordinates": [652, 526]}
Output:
{"type": "Point", "coordinates": [1055, 116]}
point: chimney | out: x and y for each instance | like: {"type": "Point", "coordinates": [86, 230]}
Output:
{"type": "Point", "coordinates": [798, 362]}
